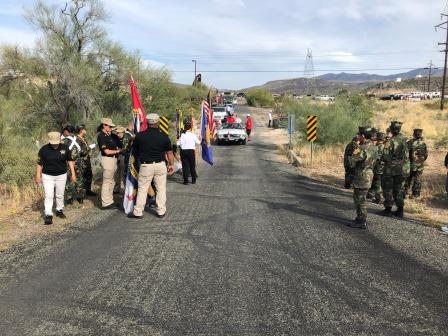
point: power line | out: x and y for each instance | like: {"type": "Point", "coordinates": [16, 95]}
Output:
{"type": "Point", "coordinates": [300, 71]}
{"type": "Point", "coordinates": [442, 26]}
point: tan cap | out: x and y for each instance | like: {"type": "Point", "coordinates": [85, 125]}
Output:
{"type": "Point", "coordinates": [54, 138]}
{"type": "Point", "coordinates": [120, 129]}
{"type": "Point", "coordinates": [153, 118]}
{"type": "Point", "coordinates": [107, 121]}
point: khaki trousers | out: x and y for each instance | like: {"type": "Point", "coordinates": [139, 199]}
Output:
{"type": "Point", "coordinates": [147, 173]}
{"type": "Point", "coordinates": [109, 165]}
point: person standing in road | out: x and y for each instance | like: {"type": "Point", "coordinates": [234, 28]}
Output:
{"type": "Point", "coordinates": [151, 147]}
{"type": "Point", "coordinates": [187, 143]}
{"type": "Point", "coordinates": [418, 153]}
{"type": "Point", "coordinates": [51, 171]}
{"type": "Point", "coordinates": [270, 119]}
{"type": "Point", "coordinates": [87, 164]}
{"type": "Point", "coordinates": [396, 170]}
{"type": "Point", "coordinates": [110, 150]}
{"type": "Point", "coordinates": [363, 159]}
{"type": "Point", "coordinates": [248, 126]}
{"type": "Point", "coordinates": [348, 164]}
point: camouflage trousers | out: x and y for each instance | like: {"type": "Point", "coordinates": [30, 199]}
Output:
{"type": "Point", "coordinates": [75, 190]}
{"type": "Point", "coordinates": [393, 190]}
{"type": "Point", "coordinates": [376, 190]}
{"type": "Point", "coordinates": [414, 183]}
{"type": "Point", "coordinates": [349, 177]}
{"type": "Point", "coordinates": [360, 200]}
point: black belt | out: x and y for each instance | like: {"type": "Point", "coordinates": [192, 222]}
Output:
{"type": "Point", "coordinates": [111, 156]}
{"type": "Point", "coordinates": [150, 162]}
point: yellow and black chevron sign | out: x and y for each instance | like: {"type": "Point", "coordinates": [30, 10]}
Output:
{"type": "Point", "coordinates": [311, 128]}
{"type": "Point", "coordinates": [164, 124]}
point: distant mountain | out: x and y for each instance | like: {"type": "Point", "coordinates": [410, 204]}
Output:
{"type": "Point", "coordinates": [363, 77]}
{"type": "Point", "coordinates": [331, 83]}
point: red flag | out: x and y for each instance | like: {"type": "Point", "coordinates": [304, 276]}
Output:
{"type": "Point", "coordinates": [137, 107]}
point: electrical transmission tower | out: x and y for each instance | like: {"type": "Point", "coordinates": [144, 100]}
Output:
{"type": "Point", "coordinates": [310, 81]}
{"type": "Point", "coordinates": [444, 25]}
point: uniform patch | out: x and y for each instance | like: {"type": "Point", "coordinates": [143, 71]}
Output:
{"type": "Point", "coordinates": [63, 151]}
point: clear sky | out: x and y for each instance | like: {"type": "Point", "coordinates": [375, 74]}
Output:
{"type": "Point", "coordinates": [268, 38]}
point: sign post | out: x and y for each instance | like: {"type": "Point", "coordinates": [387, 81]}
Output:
{"type": "Point", "coordinates": [311, 132]}
{"type": "Point", "coordinates": [291, 123]}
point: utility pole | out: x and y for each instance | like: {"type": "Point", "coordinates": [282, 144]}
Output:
{"type": "Point", "coordinates": [429, 75]}
{"type": "Point", "coordinates": [445, 50]}
{"type": "Point", "coordinates": [194, 61]}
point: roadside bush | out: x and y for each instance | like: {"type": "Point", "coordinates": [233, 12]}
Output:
{"type": "Point", "coordinates": [337, 122]}
{"type": "Point", "coordinates": [259, 98]}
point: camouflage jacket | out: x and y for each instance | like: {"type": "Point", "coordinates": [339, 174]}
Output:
{"type": "Point", "coordinates": [396, 156]}
{"type": "Point", "coordinates": [418, 153]}
{"type": "Point", "coordinates": [363, 161]}
{"type": "Point", "coordinates": [348, 153]}
{"type": "Point", "coordinates": [85, 149]}
{"type": "Point", "coordinates": [74, 148]}
{"type": "Point", "coordinates": [378, 166]}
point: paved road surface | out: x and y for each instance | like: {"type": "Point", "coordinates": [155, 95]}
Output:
{"type": "Point", "coordinates": [252, 249]}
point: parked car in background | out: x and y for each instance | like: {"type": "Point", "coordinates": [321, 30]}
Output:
{"type": "Point", "coordinates": [324, 98]}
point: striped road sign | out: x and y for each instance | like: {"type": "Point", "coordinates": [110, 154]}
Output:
{"type": "Point", "coordinates": [164, 124]}
{"type": "Point", "coordinates": [311, 128]}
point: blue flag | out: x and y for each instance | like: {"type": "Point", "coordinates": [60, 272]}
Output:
{"type": "Point", "coordinates": [207, 153]}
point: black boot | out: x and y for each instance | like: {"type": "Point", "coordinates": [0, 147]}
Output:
{"type": "Point", "coordinates": [387, 212]}
{"type": "Point", "coordinates": [80, 200]}
{"type": "Point", "coordinates": [359, 223]}
{"type": "Point", "coordinates": [399, 213]}
{"type": "Point", "coordinates": [91, 193]}
{"type": "Point", "coordinates": [48, 220]}
{"type": "Point", "coordinates": [60, 214]}
{"type": "Point", "coordinates": [69, 201]}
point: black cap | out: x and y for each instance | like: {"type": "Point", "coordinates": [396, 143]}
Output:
{"type": "Point", "coordinates": [395, 126]}
{"type": "Point", "coordinates": [69, 128]}
{"type": "Point", "coordinates": [418, 131]}
{"type": "Point", "coordinates": [380, 136]}
{"type": "Point", "coordinates": [361, 130]}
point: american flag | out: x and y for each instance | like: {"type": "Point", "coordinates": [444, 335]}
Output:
{"type": "Point", "coordinates": [211, 121]}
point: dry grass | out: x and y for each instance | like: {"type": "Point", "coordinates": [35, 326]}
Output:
{"type": "Point", "coordinates": [432, 206]}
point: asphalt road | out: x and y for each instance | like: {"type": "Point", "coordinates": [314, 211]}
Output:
{"type": "Point", "coordinates": [252, 249]}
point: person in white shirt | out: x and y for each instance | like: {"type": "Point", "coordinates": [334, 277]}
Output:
{"type": "Point", "coordinates": [187, 143]}
{"type": "Point", "coordinates": [270, 118]}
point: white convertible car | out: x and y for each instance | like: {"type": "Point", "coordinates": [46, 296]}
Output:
{"type": "Point", "coordinates": [229, 133]}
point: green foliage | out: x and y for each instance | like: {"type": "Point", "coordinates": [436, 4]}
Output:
{"type": "Point", "coordinates": [337, 122]}
{"type": "Point", "coordinates": [76, 75]}
{"type": "Point", "coordinates": [259, 98]}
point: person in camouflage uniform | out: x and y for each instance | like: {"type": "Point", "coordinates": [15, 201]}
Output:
{"type": "Point", "coordinates": [396, 170]}
{"type": "Point", "coordinates": [363, 159]}
{"type": "Point", "coordinates": [349, 169]}
{"type": "Point", "coordinates": [378, 170]}
{"type": "Point", "coordinates": [418, 153]}
{"type": "Point", "coordinates": [87, 164]}
{"type": "Point", "coordinates": [74, 190]}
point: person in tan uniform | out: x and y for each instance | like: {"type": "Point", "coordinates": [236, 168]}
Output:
{"type": "Point", "coordinates": [110, 150]}
{"type": "Point", "coordinates": [151, 147]}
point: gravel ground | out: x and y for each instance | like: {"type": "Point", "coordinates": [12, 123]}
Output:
{"type": "Point", "coordinates": [252, 249]}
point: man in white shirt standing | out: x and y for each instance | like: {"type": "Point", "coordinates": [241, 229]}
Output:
{"type": "Point", "coordinates": [270, 119]}
{"type": "Point", "coordinates": [187, 143]}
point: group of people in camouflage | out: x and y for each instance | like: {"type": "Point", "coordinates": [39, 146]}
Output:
{"type": "Point", "coordinates": [75, 139]}
{"type": "Point", "coordinates": [384, 167]}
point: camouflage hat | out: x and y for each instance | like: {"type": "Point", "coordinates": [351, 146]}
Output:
{"type": "Point", "coordinates": [79, 128]}
{"type": "Point", "coordinates": [119, 129]}
{"type": "Point", "coordinates": [380, 136]}
{"type": "Point", "coordinates": [107, 121]}
{"type": "Point", "coordinates": [153, 118]}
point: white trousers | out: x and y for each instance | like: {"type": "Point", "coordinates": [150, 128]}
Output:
{"type": "Point", "coordinates": [50, 184]}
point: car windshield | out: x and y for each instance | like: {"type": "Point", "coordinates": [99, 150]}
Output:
{"type": "Point", "coordinates": [232, 126]}
{"type": "Point", "coordinates": [219, 109]}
